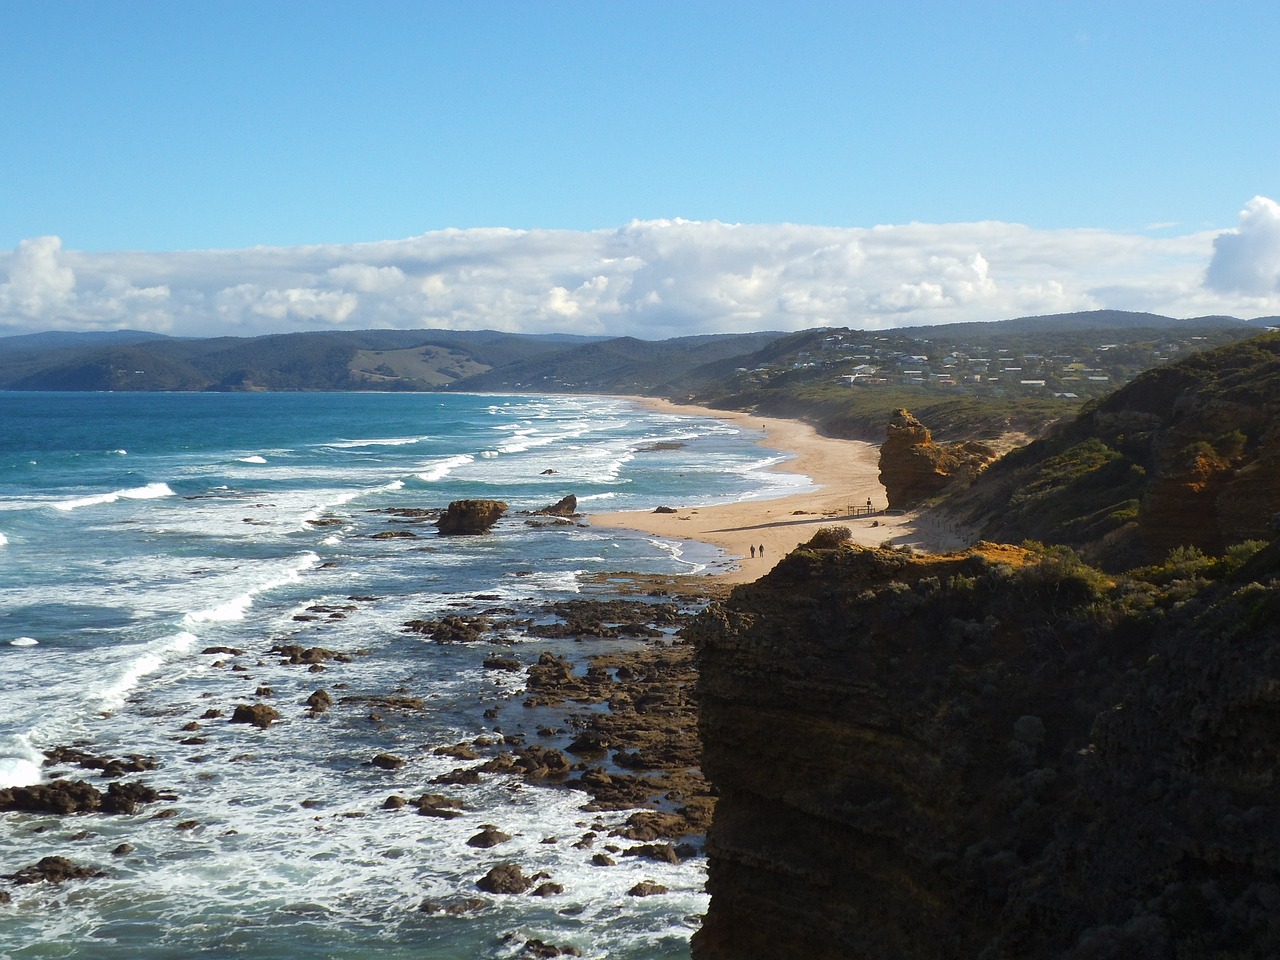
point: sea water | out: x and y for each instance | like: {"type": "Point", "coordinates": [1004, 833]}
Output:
{"type": "Point", "coordinates": [138, 530]}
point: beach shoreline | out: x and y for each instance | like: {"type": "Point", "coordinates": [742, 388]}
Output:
{"type": "Point", "coordinates": [845, 474]}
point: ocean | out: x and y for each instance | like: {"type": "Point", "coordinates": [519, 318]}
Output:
{"type": "Point", "coordinates": [138, 530]}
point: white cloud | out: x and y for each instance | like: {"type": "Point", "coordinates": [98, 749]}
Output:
{"type": "Point", "coordinates": [38, 282]}
{"type": "Point", "coordinates": [652, 279]}
{"type": "Point", "coordinates": [365, 278]}
{"type": "Point", "coordinates": [1247, 260]}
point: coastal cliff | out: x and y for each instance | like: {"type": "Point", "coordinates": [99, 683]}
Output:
{"type": "Point", "coordinates": [998, 753]}
{"type": "Point", "coordinates": [1187, 455]}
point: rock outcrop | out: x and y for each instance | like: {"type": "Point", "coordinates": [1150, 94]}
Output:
{"type": "Point", "coordinates": [53, 870]}
{"type": "Point", "coordinates": [566, 506]}
{"type": "Point", "coordinates": [914, 468]}
{"type": "Point", "coordinates": [470, 516]}
{"type": "Point", "coordinates": [77, 796]}
{"type": "Point", "coordinates": [992, 754]}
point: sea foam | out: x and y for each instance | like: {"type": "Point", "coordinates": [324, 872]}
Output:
{"type": "Point", "coordinates": [442, 468]}
{"type": "Point", "coordinates": [151, 491]}
{"type": "Point", "coordinates": [19, 766]}
{"type": "Point", "coordinates": [112, 695]}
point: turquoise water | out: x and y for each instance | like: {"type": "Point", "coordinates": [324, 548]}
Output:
{"type": "Point", "coordinates": [137, 530]}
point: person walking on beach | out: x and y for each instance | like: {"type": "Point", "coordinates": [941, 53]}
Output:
{"type": "Point", "coordinates": [762, 551]}
{"type": "Point", "coordinates": [753, 552]}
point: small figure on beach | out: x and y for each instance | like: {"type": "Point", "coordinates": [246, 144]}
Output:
{"type": "Point", "coordinates": [753, 552]}
{"type": "Point", "coordinates": [762, 550]}
{"type": "Point", "coordinates": [869, 505]}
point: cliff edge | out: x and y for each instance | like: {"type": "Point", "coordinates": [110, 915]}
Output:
{"type": "Point", "coordinates": [997, 753]}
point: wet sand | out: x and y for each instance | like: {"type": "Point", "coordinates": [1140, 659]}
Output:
{"type": "Point", "coordinates": [846, 474]}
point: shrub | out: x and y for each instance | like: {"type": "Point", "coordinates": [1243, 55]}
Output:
{"type": "Point", "coordinates": [828, 538]}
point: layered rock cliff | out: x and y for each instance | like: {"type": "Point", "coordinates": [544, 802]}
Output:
{"type": "Point", "coordinates": [913, 467]}
{"type": "Point", "coordinates": [993, 754]}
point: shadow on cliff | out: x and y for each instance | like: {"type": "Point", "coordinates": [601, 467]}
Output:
{"type": "Point", "coordinates": [997, 753]}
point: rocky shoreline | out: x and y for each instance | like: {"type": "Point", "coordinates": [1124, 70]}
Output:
{"type": "Point", "coordinates": [608, 707]}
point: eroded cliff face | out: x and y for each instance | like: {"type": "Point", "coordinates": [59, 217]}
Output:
{"type": "Point", "coordinates": [913, 467]}
{"type": "Point", "coordinates": [992, 754]}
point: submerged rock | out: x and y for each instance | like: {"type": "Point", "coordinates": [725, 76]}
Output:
{"type": "Point", "coordinates": [53, 870]}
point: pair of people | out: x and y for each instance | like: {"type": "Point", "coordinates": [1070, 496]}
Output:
{"type": "Point", "coordinates": [753, 551]}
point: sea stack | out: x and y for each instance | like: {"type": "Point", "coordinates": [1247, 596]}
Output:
{"type": "Point", "coordinates": [470, 516]}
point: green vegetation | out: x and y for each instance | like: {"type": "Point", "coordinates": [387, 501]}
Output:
{"type": "Point", "coordinates": [1195, 432]}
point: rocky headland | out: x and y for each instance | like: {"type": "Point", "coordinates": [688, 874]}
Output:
{"type": "Point", "coordinates": [994, 753]}
{"type": "Point", "coordinates": [1063, 749]}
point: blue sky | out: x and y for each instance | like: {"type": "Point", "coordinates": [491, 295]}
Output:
{"type": "Point", "coordinates": [199, 126]}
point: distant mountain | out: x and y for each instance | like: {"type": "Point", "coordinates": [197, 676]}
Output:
{"type": "Point", "coordinates": [770, 370]}
{"type": "Point", "coordinates": [323, 360]}
{"type": "Point", "coordinates": [1059, 323]}
{"type": "Point", "coordinates": [55, 339]}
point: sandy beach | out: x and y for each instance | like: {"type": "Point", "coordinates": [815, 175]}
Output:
{"type": "Point", "coordinates": [846, 474]}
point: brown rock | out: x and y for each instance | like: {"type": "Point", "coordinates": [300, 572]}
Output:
{"type": "Point", "coordinates": [913, 467]}
{"type": "Point", "coordinates": [489, 836]}
{"type": "Point", "coordinates": [565, 507]}
{"type": "Point", "coordinates": [53, 870]}
{"type": "Point", "coordinates": [258, 714]}
{"type": "Point", "coordinates": [646, 888]}
{"type": "Point", "coordinates": [76, 796]}
{"type": "Point", "coordinates": [662, 852]}
{"type": "Point", "coordinates": [470, 516]}
{"type": "Point", "coordinates": [319, 702]}
{"type": "Point", "coordinates": [505, 878]}
{"type": "Point", "coordinates": [439, 806]}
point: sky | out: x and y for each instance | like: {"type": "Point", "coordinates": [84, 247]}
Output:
{"type": "Point", "coordinates": [643, 168]}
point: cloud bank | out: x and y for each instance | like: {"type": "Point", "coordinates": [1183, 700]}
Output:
{"type": "Point", "coordinates": [651, 279]}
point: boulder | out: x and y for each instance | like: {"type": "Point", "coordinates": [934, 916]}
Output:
{"type": "Point", "coordinates": [565, 507]}
{"type": "Point", "coordinates": [489, 836]}
{"type": "Point", "coordinates": [319, 702]}
{"type": "Point", "coordinates": [439, 806]}
{"type": "Point", "coordinates": [646, 888]}
{"type": "Point", "coordinates": [506, 878]}
{"type": "Point", "coordinates": [470, 516]}
{"type": "Point", "coordinates": [76, 796]}
{"type": "Point", "coordinates": [258, 714]}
